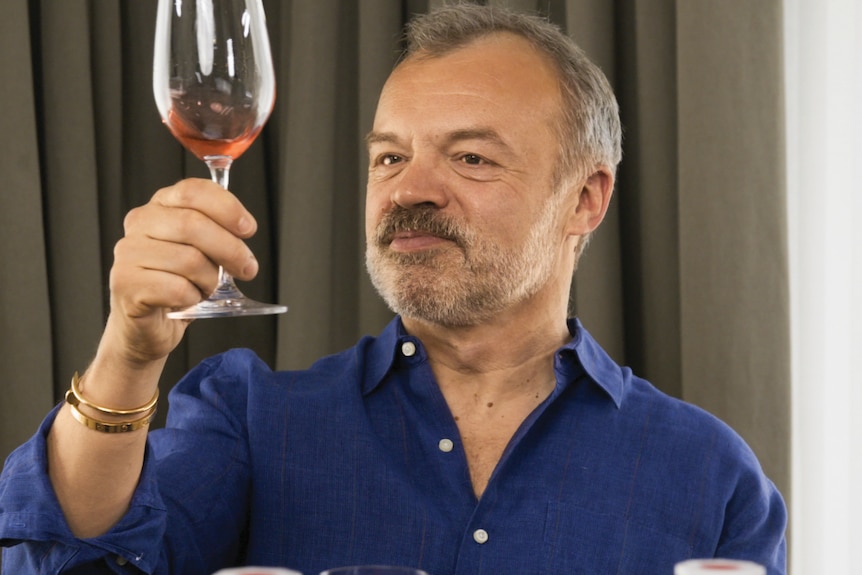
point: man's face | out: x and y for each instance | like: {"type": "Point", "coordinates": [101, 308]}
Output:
{"type": "Point", "coordinates": [462, 220]}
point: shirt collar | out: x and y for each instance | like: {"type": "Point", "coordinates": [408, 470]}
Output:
{"type": "Point", "coordinates": [382, 353]}
{"type": "Point", "coordinates": [581, 356]}
{"type": "Point", "coordinates": [584, 355]}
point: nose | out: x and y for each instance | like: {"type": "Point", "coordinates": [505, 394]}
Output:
{"type": "Point", "coordinates": [421, 183]}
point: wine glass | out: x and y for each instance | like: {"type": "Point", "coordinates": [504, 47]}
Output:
{"type": "Point", "coordinates": [214, 86]}
{"type": "Point", "coordinates": [256, 571]}
{"type": "Point", "coordinates": [373, 570]}
{"type": "Point", "coordinates": [730, 566]}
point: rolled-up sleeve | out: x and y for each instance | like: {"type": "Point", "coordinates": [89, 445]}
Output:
{"type": "Point", "coordinates": [187, 514]}
{"type": "Point", "coordinates": [34, 529]}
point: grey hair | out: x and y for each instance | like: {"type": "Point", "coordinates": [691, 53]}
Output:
{"type": "Point", "coordinates": [589, 131]}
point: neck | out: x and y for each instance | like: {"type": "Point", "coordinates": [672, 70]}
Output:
{"type": "Point", "coordinates": [494, 374]}
{"type": "Point", "coordinates": [512, 354]}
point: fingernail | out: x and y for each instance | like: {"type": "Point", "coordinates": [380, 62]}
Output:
{"type": "Point", "coordinates": [244, 225]}
{"type": "Point", "coordinates": [250, 268]}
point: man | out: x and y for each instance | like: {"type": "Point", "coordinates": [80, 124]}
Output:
{"type": "Point", "coordinates": [480, 433]}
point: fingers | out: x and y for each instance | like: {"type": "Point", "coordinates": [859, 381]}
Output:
{"type": "Point", "coordinates": [174, 244]}
{"type": "Point", "coordinates": [201, 214]}
{"type": "Point", "coordinates": [211, 200]}
{"type": "Point", "coordinates": [151, 273]}
{"type": "Point", "coordinates": [197, 244]}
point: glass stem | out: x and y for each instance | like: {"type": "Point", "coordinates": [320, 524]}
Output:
{"type": "Point", "coordinates": [220, 172]}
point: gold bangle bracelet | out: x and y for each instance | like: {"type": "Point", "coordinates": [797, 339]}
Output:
{"type": "Point", "coordinates": [74, 398]}
{"type": "Point", "coordinates": [119, 427]}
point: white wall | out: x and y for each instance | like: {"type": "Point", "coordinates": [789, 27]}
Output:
{"type": "Point", "coordinates": [824, 105]}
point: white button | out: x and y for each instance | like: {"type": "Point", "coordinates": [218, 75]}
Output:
{"type": "Point", "coordinates": [445, 445]}
{"type": "Point", "coordinates": [408, 348]}
{"type": "Point", "coordinates": [480, 536]}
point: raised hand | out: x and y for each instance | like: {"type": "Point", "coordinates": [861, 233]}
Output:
{"type": "Point", "coordinates": [169, 260]}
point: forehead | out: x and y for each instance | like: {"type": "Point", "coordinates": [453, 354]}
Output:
{"type": "Point", "coordinates": [499, 78]}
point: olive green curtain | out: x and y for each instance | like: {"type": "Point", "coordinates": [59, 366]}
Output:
{"type": "Point", "coordinates": [686, 281]}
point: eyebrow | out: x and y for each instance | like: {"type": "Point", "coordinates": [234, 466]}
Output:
{"type": "Point", "coordinates": [485, 134]}
{"type": "Point", "coordinates": [380, 138]}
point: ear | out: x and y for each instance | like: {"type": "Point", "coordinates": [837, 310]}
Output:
{"type": "Point", "coordinates": [593, 198]}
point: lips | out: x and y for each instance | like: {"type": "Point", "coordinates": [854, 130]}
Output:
{"type": "Point", "coordinates": [411, 240]}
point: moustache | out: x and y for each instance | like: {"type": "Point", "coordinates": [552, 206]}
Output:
{"type": "Point", "coordinates": [423, 219]}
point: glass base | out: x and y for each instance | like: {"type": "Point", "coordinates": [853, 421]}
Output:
{"type": "Point", "coordinates": [227, 305]}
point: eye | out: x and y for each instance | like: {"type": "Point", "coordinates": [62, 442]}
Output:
{"type": "Point", "coordinates": [473, 160]}
{"type": "Point", "coordinates": [475, 166]}
{"type": "Point", "coordinates": [390, 159]}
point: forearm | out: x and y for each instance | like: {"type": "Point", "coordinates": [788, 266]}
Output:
{"type": "Point", "coordinates": [94, 474]}
{"type": "Point", "coordinates": [167, 259]}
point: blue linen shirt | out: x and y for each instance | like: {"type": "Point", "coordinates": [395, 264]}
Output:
{"type": "Point", "coordinates": [343, 464]}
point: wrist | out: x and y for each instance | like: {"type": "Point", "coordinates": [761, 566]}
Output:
{"type": "Point", "coordinates": [122, 385]}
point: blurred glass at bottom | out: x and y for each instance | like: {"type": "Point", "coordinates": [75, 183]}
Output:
{"type": "Point", "coordinates": [256, 571]}
{"type": "Point", "coordinates": [374, 570]}
{"type": "Point", "coordinates": [353, 570]}
{"type": "Point", "coordinates": [715, 566]}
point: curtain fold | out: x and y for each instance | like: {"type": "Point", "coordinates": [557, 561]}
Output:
{"type": "Point", "coordinates": [68, 169]}
{"type": "Point", "coordinates": [26, 349]}
{"type": "Point", "coordinates": [685, 281]}
{"type": "Point", "coordinates": [648, 190]}
{"type": "Point", "coordinates": [734, 281]}
{"type": "Point", "coordinates": [319, 192]}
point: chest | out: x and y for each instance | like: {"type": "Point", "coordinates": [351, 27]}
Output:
{"type": "Point", "coordinates": [484, 440]}
{"type": "Point", "coordinates": [393, 483]}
